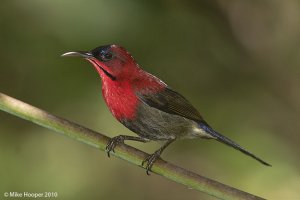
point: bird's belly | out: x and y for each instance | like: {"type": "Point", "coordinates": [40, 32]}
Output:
{"type": "Point", "coordinates": [154, 124]}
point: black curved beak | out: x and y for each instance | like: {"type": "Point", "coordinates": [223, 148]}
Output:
{"type": "Point", "coordinates": [87, 55]}
{"type": "Point", "coordinates": [83, 54]}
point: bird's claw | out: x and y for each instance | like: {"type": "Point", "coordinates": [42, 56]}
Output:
{"type": "Point", "coordinates": [150, 160]}
{"type": "Point", "coordinates": [112, 143]}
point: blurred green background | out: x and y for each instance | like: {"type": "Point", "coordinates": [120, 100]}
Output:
{"type": "Point", "coordinates": [236, 61]}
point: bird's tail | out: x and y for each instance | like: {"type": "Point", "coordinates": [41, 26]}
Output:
{"type": "Point", "coordinates": [229, 142]}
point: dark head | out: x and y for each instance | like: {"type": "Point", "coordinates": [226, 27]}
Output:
{"type": "Point", "coordinates": [110, 61]}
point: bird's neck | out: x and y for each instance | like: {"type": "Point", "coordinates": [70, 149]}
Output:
{"type": "Point", "coordinates": [121, 95]}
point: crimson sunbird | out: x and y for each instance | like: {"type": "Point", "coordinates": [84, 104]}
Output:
{"type": "Point", "coordinates": [146, 105]}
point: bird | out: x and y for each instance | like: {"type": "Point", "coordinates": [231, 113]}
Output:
{"type": "Point", "coordinates": [146, 105]}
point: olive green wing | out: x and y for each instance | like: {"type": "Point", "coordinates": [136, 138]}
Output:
{"type": "Point", "coordinates": [171, 102]}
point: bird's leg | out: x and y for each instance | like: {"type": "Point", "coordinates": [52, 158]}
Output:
{"type": "Point", "coordinates": [150, 160]}
{"type": "Point", "coordinates": [113, 142]}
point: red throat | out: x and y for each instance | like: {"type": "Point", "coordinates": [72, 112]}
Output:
{"type": "Point", "coordinates": [120, 94]}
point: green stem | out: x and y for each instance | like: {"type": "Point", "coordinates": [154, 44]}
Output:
{"type": "Point", "coordinates": [123, 151]}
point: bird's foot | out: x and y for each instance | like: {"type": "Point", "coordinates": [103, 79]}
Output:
{"type": "Point", "coordinates": [150, 160]}
{"type": "Point", "coordinates": [113, 142]}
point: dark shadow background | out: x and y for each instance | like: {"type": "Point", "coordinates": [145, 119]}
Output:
{"type": "Point", "coordinates": [237, 62]}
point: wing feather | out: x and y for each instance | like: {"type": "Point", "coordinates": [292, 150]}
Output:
{"type": "Point", "coordinates": [171, 102]}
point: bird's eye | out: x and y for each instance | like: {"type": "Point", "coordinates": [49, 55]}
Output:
{"type": "Point", "coordinates": [106, 56]}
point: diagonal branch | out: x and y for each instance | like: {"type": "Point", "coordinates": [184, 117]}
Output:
{"type": "Point", "coordinates": [123, 151]}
